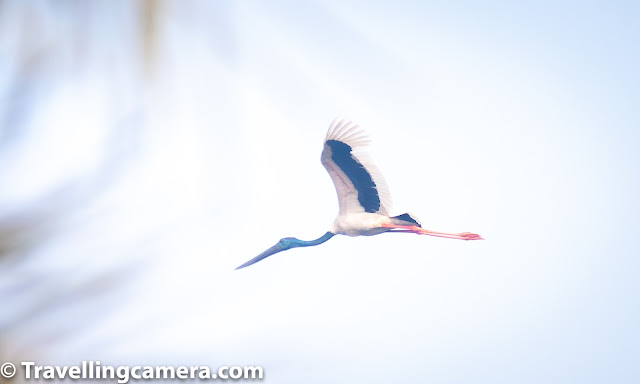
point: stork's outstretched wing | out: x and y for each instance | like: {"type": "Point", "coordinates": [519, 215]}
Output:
{"type": "Point", "coordinates": [359, 184]}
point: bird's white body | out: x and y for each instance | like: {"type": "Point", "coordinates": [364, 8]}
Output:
{"type": "Point", "coordinates": [360, 224]}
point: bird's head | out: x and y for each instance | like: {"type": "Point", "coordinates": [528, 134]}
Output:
{"type": "Point", "coordinates": [284, 244]}
{"type": "Point", "coordinates": [288, 242]}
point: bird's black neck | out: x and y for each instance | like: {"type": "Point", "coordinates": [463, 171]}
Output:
{"type": "Point", "coordinates": [320, 240]}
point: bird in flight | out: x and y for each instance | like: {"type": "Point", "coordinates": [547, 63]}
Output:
{"type": "Point", "coordinates": [362, 195]}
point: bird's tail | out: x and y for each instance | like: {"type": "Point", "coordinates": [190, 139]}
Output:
{"type": "Point", "coordinates": [405, 219]}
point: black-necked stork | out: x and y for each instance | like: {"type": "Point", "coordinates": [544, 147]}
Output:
{"type": "Point", "coordinates": [362, 194]}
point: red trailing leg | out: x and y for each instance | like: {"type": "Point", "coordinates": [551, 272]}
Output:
{"type": "Point", "coordinates": [421, 231]}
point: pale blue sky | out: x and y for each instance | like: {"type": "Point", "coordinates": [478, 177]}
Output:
{"type": "Point", "coordinates": [518, 121]}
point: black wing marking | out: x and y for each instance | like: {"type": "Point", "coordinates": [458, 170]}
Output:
{"type": "Point", "coordinates": [356, 172]}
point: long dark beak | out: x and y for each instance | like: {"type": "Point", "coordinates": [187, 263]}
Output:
{"type": "Point", "coordinates": [271, 251]}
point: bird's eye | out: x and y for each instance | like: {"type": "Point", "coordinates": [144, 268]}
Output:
{"type": "Point", "coordinates": [285, 241]}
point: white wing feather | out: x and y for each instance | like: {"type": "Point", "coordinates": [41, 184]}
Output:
{"type": "Point", "coordinates": [355, 137]}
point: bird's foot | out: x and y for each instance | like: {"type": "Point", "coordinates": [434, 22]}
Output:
{"type": "Point", "coordinates": [469, 236]}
